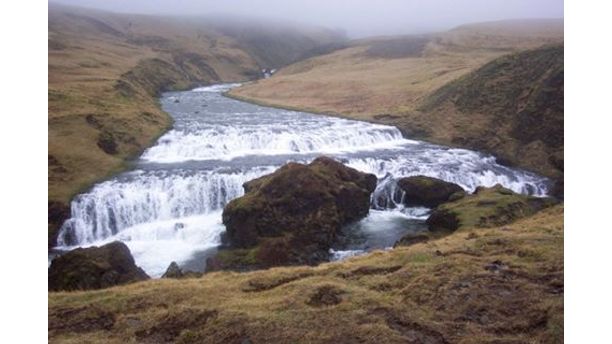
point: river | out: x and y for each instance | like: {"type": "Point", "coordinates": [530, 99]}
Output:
{"type": "Point", "coordinates": [168, 208]}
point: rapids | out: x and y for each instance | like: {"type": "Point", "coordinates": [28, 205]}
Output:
{"type": "Point", "coordinates": [169, 207]}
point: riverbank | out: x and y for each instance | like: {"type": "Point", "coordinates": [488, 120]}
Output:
{"type": "Point", "coordinates": [478, 284]}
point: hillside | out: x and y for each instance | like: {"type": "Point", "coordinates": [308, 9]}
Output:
{"type": "Point", "coordinates": [511, 107]}
{"type": "Point", "coordinates": [415, 82]}
{"type": "Point", "coordinates": [477, 285]}
{"type": "Point", "coordinates": [106, 71]}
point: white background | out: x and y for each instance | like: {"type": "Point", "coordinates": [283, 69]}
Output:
{"type": "Point", "coordinates": [23, 171]}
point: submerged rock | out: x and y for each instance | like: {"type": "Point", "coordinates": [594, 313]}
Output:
{"type": "Point", "coordinates": [486, 207]}
{"type": "Point", "coordinates": [94, 268]}
{"type": "Point", "coordinates": [293, 215]}
{"type": "Point", "coordinates": [428, 192]}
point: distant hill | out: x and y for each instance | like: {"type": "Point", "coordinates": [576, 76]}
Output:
{"type": "Point", "coordinates": [106, 70]}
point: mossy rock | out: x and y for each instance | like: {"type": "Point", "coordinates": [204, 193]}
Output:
{"type": "Point", "coordinates": [428, 192]}
{"type": "Point", "coordinates": [94, 268]}
{"type": "Point", "coordinates": [487, 207]}
{"type": "Point", "coordinates": [294, 214]}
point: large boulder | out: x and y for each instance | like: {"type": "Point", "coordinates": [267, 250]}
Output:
{"type": "Point", "coordinates": [487, 207]}
{"type": "Point", "coordinates": [94, 268]}
{"type": "Point", "coordinates": [428, 192]}
{"type": "Point", "coordinates": [293, 215]}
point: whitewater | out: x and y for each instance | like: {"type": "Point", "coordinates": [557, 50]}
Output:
{"type": "Point", "coordinates": [168, 208]}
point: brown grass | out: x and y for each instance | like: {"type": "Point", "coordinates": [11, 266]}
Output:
{"type": "Point", "coordinates": [502, 284]}
{"type": "Point", "coordinates": [359, 83]}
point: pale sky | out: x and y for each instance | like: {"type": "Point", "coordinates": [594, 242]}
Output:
{"type": "Point", "coordinates": [358, 18]}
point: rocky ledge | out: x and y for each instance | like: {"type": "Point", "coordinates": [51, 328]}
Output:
{"type": "Point", "coordinates": [428, 192]}
{"type": "Point", "coordinates": [94, 268]}
{"type": "Point", "coordinates": [486, 207]}
{"type": "Point", "coordinates": [293, 215]}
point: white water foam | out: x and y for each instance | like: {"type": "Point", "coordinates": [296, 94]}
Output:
{"type": "Point", "coordinates": [462, 167]}
{"type": "Point", "coordinates": [226, 142]}
{"type": "Point", "coordinates": [216, 88]}
{"type": "Point", "coordinates": [144, 197]}
{"type": "Point", "coordinates": [154, 244]}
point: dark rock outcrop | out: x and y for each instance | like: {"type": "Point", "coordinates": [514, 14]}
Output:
{"type": "Point", "coordinates": [175, 271]}
{"type": "Point", "coordinates": [428, 192]}
{"type": "Point", "coordinates": [486, 207]}
{"type": "Point", "coordinates": [292, 216]}
{"type": "Point", "coordinates": [94, 268]}
{"type": "Point", "coordinates": [58, 212]}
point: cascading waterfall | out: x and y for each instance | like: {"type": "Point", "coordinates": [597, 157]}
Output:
{"type": "Point", "coordinates": [169, 208]}
{"type": "Point", "coordinates": [149, 196]}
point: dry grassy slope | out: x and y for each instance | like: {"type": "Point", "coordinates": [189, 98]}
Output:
{"type": "Point", "coordinates": [388, 79]}
{"type": "Point", "coordinates": [481, 285]}
{"type": "Point", "coordinates": [512, 107]}
{"type": "Point", "coordinates": [105, 71]}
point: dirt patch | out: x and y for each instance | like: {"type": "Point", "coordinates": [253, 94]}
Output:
{"type": "Point", "coordinates": [370, 270]}
{"type": "Point", "coordinates": [263, 284]}
{"type": "Point", "coordinates": [170, 326]}
{"type": "Point", "coordinates": [107, 143]}
{"type": "Point", "coordinates": [327, 295]}
{"type": "Point", "coordinates": [81, 319]}
{"type": "Point", "coordinates": [412, 331]}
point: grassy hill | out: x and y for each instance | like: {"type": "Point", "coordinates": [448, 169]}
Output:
{"type": "Point", "coordinates": [469, 87]}
{"type": "Point", "coordinates": [512, 107]}
{"type": "Point", "coordinates": [106, 71]}
{"type": "Point", "coordinates": [477, 285]}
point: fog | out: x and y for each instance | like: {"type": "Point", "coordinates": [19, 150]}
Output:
{"type": "Point", "coordinates": [358, 18]}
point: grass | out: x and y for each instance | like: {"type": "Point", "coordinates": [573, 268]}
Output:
{"type": "Point", "coordinates": [476, 285]}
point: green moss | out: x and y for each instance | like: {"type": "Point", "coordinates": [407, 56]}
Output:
{"type": "Point", "coordinates": [488, 207]}
{"type": "Point", "coordinates": [238, 257]}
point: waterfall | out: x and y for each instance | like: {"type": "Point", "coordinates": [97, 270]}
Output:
{"type": "Point", "coordinates": [141, 197]}
{"type": "Point", "coordinates": [169, 207]}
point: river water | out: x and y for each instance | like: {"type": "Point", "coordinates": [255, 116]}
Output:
{"type": "Point", "coordinates": [168, 208]}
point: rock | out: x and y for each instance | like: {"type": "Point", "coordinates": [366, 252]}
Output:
{"type": "Point", "coordinates": [58, 212]}
{"type": "Point", "coordinates": [486, 207]}
{"type": "Point", "coordinates": [173, 271]}
{"type": "Point", "coordinates": [94, 268]}
{"type": "Point", "coordinates": [293, 215]}
{"type": "Point", "coordinates": [428, 192]}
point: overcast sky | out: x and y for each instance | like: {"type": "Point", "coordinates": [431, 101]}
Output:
{"type": "Point", "coordinates": [358, 18]}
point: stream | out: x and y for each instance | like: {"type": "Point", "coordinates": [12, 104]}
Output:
{"type": "Point", "coordinates": [168, 207]}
